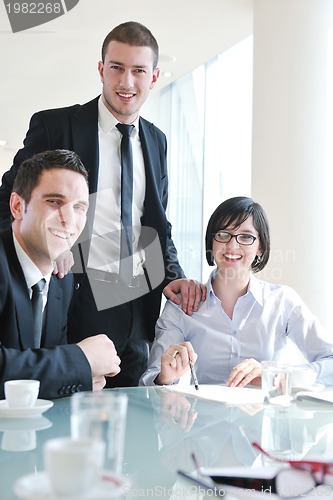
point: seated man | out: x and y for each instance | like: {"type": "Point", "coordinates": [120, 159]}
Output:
{"type": "Point", "coordinates": [49, 205]}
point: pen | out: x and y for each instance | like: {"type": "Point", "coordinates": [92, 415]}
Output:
{"type": "Point", "coordinates": [194, 375]}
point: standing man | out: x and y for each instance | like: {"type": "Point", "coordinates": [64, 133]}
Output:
{"type": "Point", "coordinates": [48, 204]}
{"type": "Point", "coordinates": [128, 71]}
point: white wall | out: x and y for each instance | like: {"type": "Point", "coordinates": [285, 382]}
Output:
{"type": "Point", "coordinates": [289, 141]}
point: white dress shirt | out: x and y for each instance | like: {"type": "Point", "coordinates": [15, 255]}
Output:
{"type": "Point", "coordinates": [105, 245]}
{"type": "Point", "coordinates": [265, 320]}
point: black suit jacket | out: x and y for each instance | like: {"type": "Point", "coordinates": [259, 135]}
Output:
{"type": "Point", "coordinates": [76, 128]}
{"type": "Point", "coordinates": [62, 369]}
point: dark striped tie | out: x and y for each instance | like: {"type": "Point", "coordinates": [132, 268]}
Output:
{"type": "Point", "coordinates": [126, 243]}
{"type": "Point", "coordinates": [37, 310]}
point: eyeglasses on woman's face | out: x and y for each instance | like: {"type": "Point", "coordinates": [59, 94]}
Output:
{"type": "Point", "coordinates": [242, 238]}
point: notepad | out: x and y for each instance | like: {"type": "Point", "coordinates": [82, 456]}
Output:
{"type": "Point", "coordinates": [315, 397]}
{"type": "Point", "coordinates": [221, 393]}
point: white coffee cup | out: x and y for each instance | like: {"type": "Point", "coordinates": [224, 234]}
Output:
{"type": "Point", "coordinates": [21, 393]}
{"type": "Point", "coordinates": [73, 465]}
{"type": "Point", "coordinates": [302, 377]}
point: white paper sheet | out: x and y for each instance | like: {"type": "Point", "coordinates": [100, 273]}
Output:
{"type": "Point", "coordinates": [221, 393]}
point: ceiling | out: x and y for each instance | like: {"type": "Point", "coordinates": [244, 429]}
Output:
{"type": "Point", "coordinates": [55, 64]}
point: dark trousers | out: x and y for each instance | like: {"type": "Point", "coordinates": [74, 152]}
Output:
{"type": "Point", "coordinates": [124, 324]}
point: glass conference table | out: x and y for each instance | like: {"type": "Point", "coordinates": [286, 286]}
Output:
{"type": "Point", "coordinates": [164, 428]}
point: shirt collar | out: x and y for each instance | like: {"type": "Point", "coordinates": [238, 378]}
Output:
{"type": "Point", "coordinates": [209, 285]}
{"type": "Point", "coordinates": [31, 272]}
{"type": "Point", "coordinates": [107, 121]}
{"type": "Point", "coordinates": [255, 288]}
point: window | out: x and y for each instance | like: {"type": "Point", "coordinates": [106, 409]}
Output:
{"type": "Point", "coordinates": [207, 116]}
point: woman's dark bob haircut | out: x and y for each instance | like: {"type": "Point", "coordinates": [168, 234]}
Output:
{"type": "Point", "coordinates": [231, 214]}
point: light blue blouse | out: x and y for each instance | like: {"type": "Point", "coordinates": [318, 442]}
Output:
{"type": "Point", "coordinates": [264, 322]}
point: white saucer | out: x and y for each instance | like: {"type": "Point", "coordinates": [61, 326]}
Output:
{"type": "Point", "coordinates": [310, 388]}
{"type": "Point", "coordinates": [37, 487]}
{"type": "Point", "coordinates": [35, 423]}
{"type": "Point", "coordinates": [40, 407]}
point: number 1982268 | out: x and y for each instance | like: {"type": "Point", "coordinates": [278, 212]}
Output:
{"type": "Point", "coordinates": [34, 8]}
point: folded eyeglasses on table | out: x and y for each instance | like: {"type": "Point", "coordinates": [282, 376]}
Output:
{"type": "Point", "coordinates": [299, 479]}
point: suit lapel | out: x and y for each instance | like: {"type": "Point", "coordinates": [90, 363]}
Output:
{"type": "Point", "coordinates": [85, 144]}
{"type": "Point", "coordinates": [151, 158]}
{"type": "Point", "coordinates": [85, 139]}
{"type": "Point", "coordinates": [53, 316]}
{"type": "Point", "coordinates": [23, 314]}
{"type": "Point", "coordinates": [153, 210]}
{"type": "Point", "coordinates": [23, 310]}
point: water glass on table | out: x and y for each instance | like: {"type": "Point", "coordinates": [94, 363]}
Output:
{"type": "Point", "coordinates": [101, 416]}
{"type": "Point", "coordinates": [275, 381]}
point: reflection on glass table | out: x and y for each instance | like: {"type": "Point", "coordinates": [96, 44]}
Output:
{"type": "Point", "coordinates": [20, 434]}
{"type": "Point", "coordinates": [163, 431]}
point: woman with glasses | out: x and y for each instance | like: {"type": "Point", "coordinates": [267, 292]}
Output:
{"type": "Point", "coordinates": [244, 320]}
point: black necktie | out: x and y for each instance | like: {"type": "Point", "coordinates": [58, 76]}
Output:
{"type": "Point", "coordinates": [37, 310]}
{"type": "Point", "coordinates": [126, 249]}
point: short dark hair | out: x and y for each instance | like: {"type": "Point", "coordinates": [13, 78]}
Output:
{"type": "Point", "coordinates": [135, 34]}
{"type": "Point", "coordinates": [29, 172]}
{"type": "Point", "coordinates": [233, 212]}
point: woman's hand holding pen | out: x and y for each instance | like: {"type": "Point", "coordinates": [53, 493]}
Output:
{"type": "Point", "coordinates": [175, 362]}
